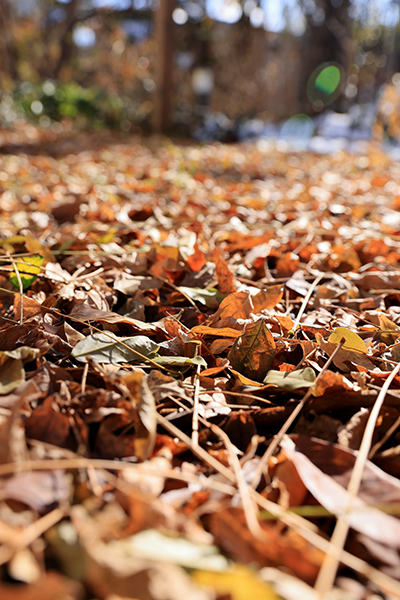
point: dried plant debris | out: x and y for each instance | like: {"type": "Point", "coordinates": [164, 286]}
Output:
{"type": "Point", "coordinates": [190, 369]}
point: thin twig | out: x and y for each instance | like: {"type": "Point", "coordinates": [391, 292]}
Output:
{"type": "Point", "coordinates": [195, 418]}
{"type": "Point", "coordinates": [306, 300]}
{"type": "Point", "coordinates": [31, 533]}
{"type": "Point", "coordinates": [249, 507]}
{"type": "Point", "coordinates": [84, 378]}
{"type": "Point", "coordinates": [20, 287]}
{"type": "Point", "coordinates": [327, 573]}
{"type": "Point", "coordinates": [306, 529]}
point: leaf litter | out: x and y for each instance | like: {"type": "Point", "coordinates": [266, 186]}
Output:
{"type": "Point", "coordinates": [196, 343]}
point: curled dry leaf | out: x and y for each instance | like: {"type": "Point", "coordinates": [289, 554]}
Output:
{"type": "Point", "coordinates": [331, 494]}
{"type": "Point", "coordinates": [346, 358]}
{"type": "Point", "coordinates": [12, 362]}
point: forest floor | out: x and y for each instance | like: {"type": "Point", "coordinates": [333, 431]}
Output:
{"type": "Point", "coordinates": [199, 371]}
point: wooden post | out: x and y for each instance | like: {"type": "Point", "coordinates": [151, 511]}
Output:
{"type": "Point", "coordinates": [163, 26]}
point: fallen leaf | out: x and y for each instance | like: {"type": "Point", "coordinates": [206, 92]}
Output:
{"type": "Point", "coordinates": [387, 324]}
{"type": "Point", "coordinates": [106, 348]}
{"type": "Point", "coordinates": [294, 380]}
{"type": "Point", "coordinates": [145, 432]}
{"type": "Point", "coordinates": [239, 582]}
{"type": "Point", "coordinates": [353, 341]}
{"type": "Point", "coordinates": [334, 497]}
{"type": "Point", "coordinates": [12, 362]}
{"type": "Point", "coordinates": [224, 276]}
{"type": "Point", "coordinates": [29, 268]}
{"type": "Point", "coordinates": [268, 298]}
{"type": "Point", "coordinates": [253, 351]}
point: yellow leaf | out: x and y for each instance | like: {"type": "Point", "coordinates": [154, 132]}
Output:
{"type": "Point", "coordinates": [240, 583]}
{"type": "Point", "coordinates": [353, 341]}
{"type": "Point", "coordinates": [29, 267]}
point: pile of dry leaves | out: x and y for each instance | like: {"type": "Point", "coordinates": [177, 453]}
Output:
{"type": "Point", "coordinates": [199, 372]}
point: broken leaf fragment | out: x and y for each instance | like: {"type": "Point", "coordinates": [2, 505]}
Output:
{"type": "Point", "coordinates": [108, 348]}
{"type": "Point", "coordinates": [12, 362]}
{"type": "Point", "coordinates": [28, 268]}
{"type": "Point", "coordinates": [293, 380]}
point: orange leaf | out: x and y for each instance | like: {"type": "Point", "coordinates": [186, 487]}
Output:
{"type": "Point", "coordinates": [287, 265]}
{"type": "Point", "coordinates": [267, 298]}
{"type": "Point", "coordinates": [217, 331]}
{"type": "Point", "coordinates": [224, 276]}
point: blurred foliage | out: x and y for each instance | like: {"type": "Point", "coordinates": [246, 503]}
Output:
{"type": "Point", "coordinates": [259, 65]}
{"type": "Point", "coordinates": [53, 101]}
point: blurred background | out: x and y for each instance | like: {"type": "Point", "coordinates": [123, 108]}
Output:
{"type": "Point", "coordinates": [212, 69]}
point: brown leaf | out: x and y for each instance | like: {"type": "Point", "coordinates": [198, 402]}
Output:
{"type": "Point", "coordinates": [277, 548]}
{"type": "Point", "coordinates": [253, 351]}
{"type": "Point", "coordinates": [145, 434]}
{"type": "Point", "coordinates": [238, 305]}
{"type": "Point", "coordinates": [48, 424]}
{"type": "Point", "coordinates": [49, 587]}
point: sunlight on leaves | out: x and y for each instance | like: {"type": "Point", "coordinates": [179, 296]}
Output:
{"type": "Point", "coordinates": [29, 268]}
{"type": "Point", "coordinates": [107, 348]}
{"type": "Point", "coordinates": [239, 583]}
{"type": "Point", "coordinates": [12, 372]}
{"type": "Point", "coordinates": [253, 351]}
{"type": "Point", "coordinates": [353, 341]}
{"type": "Point", "coordinates": [294, 380]}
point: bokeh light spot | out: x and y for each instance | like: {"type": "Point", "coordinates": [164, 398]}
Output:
{"type": "Point", "coordinates": [328, 80]}
{"type": "Point", "coordinates": [298, 127]}
{"type": "Point", "coordinates": [326, 83]}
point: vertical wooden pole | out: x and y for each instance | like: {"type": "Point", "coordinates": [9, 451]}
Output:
{"type": "Point", "coordinates": [163, 26]}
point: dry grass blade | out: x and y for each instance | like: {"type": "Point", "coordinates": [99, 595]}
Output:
{"type": "Point", "coordinates": [31, 533]}
{"type": "Point", "coordinates": [306, 529]}
{"type": "Point", "coordinates": [384, 439]}
{"type": "Point", "coordinates": [195, 418]}
{"type": "Point", "coordinates": [20, 288]}
{"type": "Point", "coordinates": [306, 300]}
{"type": "Point", "coordinates": [329, 568]}
{"type": "Point", "coordinates": [249, 506]}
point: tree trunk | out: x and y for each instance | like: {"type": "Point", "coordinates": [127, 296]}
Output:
{"type": "Point", "coordinates": [163, 76]}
